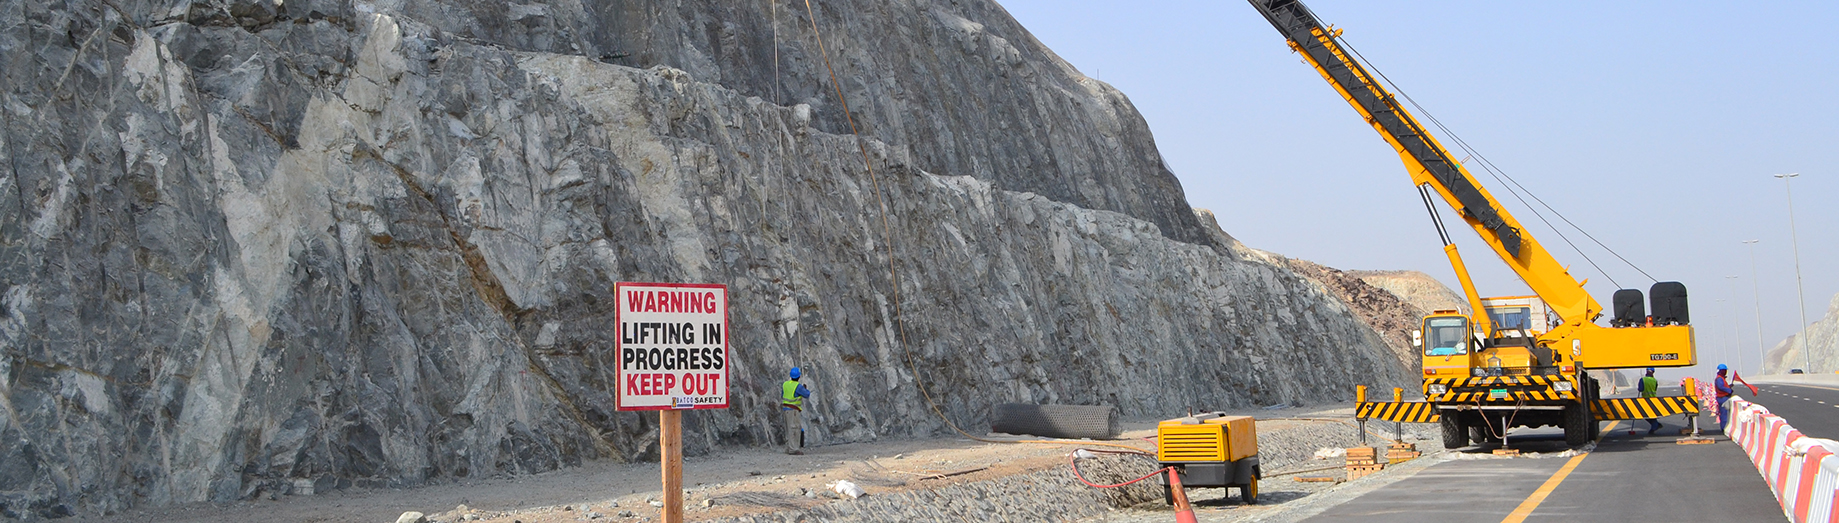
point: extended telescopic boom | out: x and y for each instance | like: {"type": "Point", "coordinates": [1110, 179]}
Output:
{"type": "Point", "coordinates": [1665, 343]}
{"type": "Point", "coordinates": [1427, 161]}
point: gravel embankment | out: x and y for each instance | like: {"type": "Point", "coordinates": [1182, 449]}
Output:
{"type": "Point", "coordinates": [1288, 441]}
{"type": "Point", "coordinates": [1048, 495]}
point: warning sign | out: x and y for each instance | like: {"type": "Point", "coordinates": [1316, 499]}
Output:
{"type": "Point", "coordinates": [672, 346]}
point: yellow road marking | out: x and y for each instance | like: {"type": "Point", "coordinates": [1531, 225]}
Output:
{"type": "Point", "coordinates": [1525, 509]}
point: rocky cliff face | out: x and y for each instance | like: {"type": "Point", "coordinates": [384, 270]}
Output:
{"type": "Point", "coordinates": [1822, 343]}
{"type": "Point", "coordinates": [1416, 288]}
{"type": "Point", "coordinates": [1391, 316]}
{"type": "Point", "coordinates": [373, 243]}
{"type": "Point", "coordinates": [958, 86]}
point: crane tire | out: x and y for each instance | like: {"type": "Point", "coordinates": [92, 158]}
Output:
{"type": "Point", "coordinates": [1577, 421]}
{"type": "Point", "coordinates": [1455, 435]}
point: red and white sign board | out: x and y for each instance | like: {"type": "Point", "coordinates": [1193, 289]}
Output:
{"type": "Point", "coordinates": [672, 346]}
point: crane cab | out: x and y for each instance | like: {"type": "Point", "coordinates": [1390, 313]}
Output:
{"type": "Point", "coordinates": [1453, 345]}
{"type": "Point", "coordinates": [1447, 342]}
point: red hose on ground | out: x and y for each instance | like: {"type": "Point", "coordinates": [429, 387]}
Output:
{"type": "Point", "coordinates": [1072, 460]}
{"type": "Point", "coordinates": [1089, 483]}
{"type": "Point", "coordinates": [1184, 513]}
{"type": "Point", "coordinates": [1137, 452]}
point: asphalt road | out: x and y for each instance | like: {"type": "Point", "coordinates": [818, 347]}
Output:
{"type": "Point", "coordinates": [1628, 477]}
{"type": "Point", "coordinates": [1812, 409]}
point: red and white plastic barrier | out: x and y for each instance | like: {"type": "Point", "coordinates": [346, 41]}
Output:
{"type": "Point", "coordinates": [1803, 471]}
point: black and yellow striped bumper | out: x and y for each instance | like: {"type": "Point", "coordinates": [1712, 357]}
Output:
{"type": "Point", "coordinates": [1512, 388]}
{"type": "Point", "coordinates": [1400, 411]}
{"type": "Point", "coordinates": [1643, 408]}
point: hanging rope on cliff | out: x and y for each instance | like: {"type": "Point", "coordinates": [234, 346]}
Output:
{"type": "Point", "coordinates": [773, 5]}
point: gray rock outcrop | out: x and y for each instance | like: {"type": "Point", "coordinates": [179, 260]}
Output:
{"type": "Point", "coordinates": [373, 243]}
{"type": "Point", "coordinates": [1391, 316]}
{"type": "Point", "coordinates": [1794, 352]}
{"type": "Point", "coordinates": [959, 86]}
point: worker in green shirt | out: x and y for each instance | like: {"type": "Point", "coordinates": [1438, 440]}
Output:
{"type": "Point", "coordinates": [1650, 388]}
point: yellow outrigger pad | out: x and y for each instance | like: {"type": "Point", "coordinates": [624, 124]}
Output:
{"type": "Point", "coordinates": [1400, 411]}
{"type": "Point", "coordinates": [1644, 408]}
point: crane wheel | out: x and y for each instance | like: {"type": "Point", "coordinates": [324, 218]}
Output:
{"type": "Point", "coordinates": [1483, 434]}
{"type": "Point", "coordinates": [1596, 393]}
{"type": "Point", "coordinates": [1455, 435]}
{"type": "Point", "coordinates": [1577, 422]}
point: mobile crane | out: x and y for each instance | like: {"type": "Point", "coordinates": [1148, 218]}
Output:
{"type": "Point", "coordinates": [1492, 368]}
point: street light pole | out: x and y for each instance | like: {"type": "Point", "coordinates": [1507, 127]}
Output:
{"type": "Point", "coordinates": [1725, 358]}
{"type": "Point", "coordinates": [1736, 325]}
{"type": "Point", "coordinates": [1756, 288]}
{"type": "Point", "coordinates": [1800, 290]}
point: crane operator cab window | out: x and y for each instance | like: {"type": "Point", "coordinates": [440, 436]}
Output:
{"type": "Point", "coordinates": [1511, 317]}
{"type": "Point", "coordinates": [1446, 336]}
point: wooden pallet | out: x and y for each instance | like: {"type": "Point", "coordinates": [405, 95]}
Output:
{"type": "Point", "coordinates": [1361, 456]}
{"type": "Point", "coordinates": [1359, 471]}
{"type": "Point", "coordinates": [1401, 452]}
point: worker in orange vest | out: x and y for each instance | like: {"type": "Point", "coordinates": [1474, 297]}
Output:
{"type": "Point", "coordinates": [1724, 392]}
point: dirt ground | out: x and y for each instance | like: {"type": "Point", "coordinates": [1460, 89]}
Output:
{"type": "Point", "coordinates": [740, 481]}
{"type": "Point", "coordinates": [731, 482]}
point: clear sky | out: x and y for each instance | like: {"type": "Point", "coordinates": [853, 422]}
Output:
{"type": "Point", "coordinates": [1655, 126]}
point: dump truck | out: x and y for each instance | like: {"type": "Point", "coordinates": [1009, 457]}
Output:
{"type": "Point", "coordinates": [1495, 368]}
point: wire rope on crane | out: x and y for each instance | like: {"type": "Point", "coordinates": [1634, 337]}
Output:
{"type": "Point", "coordinates": [1487, 166]}
{"type": "Point", "coordinates": [1506, 180]}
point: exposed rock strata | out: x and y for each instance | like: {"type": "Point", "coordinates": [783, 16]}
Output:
{"type": "Point", "coordinates": [1392, 317]}
{"type": "Point", "coordinates": [374, 244]}
{"type": "Point", "coordinates": [1416, 288]}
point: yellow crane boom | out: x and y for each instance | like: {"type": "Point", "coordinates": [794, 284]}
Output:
{"type": "Point", "coordinates": [1431, 168]}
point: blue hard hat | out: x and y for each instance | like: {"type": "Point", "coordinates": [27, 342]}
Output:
{"type": "Point", "coordinates": [796, 373]}
{"type": "Point", "coordinates": [1720, 367]}
{"type": "Point", "coordinates": [1650, 370]}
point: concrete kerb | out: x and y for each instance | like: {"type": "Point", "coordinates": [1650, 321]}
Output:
{"type": "Point", "coordinates": [1797, 468]}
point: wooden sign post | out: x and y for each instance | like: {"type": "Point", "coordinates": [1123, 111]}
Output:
{"type": "Point", "coordinates": [673, 356]}
{"type": "Point", "coordinates": [670, 441]}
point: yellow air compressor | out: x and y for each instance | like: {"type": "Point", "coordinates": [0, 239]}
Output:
{"type": "Point", "coordinates": [1210, 450]}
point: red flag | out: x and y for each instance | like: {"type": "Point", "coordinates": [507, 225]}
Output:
{"type": "Point", "coordinates": [1739, 379]}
